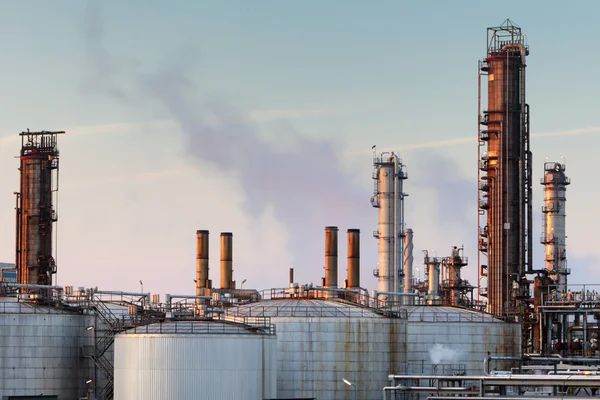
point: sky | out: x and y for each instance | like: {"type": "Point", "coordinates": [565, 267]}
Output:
{"type": "Point", "coordinates": [258, 118]}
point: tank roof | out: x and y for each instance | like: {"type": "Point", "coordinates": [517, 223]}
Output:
{"type": "Point", "coordinates": [12, 305]}
{"type": "Point", "coordinates": [303, 308]}
{"type": "Point", "coordinates": [447, 314]}
{"type": "Point", "coordinates": [203, 327]}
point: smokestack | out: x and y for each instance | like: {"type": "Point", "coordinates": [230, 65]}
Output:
{"type": "Point", "coordinates": [408, 264]}
{"type": "Point", "coordinates": [226, 260]}
{"type": "Point", "coordinates": [353, 258]}
{"type": "Point", "coordinates": [201, 262]}
{"type": "Point", "coordinates": [291, 275]}
{"type": "Point", "coordinates": [331, 256]}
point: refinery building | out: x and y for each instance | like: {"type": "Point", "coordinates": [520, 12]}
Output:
{"type": "Point", "coordinates": [519, 331]}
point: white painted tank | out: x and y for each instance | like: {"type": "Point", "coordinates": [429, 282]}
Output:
{"type": "Point", "coordinates": [41, 351]}
{"type": "Point", "coordinates": [322, 342]}
{"type": "Point", "coordinates": [196, 360]}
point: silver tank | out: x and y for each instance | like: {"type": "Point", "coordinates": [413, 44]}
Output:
{"type": "Point", "coordinates": [41, 351]}
{"type": "Point", "coordinates": [195, 360]}
{"type": "Point", "coordinates": [322, 342]}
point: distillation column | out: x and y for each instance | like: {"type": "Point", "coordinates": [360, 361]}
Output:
{"type": "Point", "coordinates": [555, 186]}
{"type": "Point", "coordinates": [35, 260]}
{"type": "Point", "coordinates": [389, 174]}
{"type": "Point", "coordinates": [433, 278]}
{"type": "Point", "coordinates": [505, 172]}
{"type": "Point", "coordinates": [453, 283]}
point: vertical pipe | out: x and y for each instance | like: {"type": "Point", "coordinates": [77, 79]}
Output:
{"type": "Point", "coordinates": [331, 256]}
{"type": "Point", "coordinates": [201, 262]}
{"type": "Point", "coordinates": [226, 260]}
{"type": "Point", "coordinates": [353, 258]}
{"type": "Point", "coordinates": [291, 276]}
{"type": "Point", "coordinates": [408, 264]}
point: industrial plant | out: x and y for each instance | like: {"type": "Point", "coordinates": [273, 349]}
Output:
{"type": "Point", "coordinates": [520, 331]}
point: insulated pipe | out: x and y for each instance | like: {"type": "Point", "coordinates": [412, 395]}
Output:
{"type": "Point", "coordinates": [353, 258]}
{"type": "Point", "coordinates": [201, 262]}
{"type": "Point", "coordinates": [31, 286]}
{"type": "Point", "coordinates": [486, 362]}
{"type": "Point", "coordinates": [408, 261]}
{"type": "Point", "coordinates": [331, 256]}
{"type": "Point", "coordinates": [226, 260]}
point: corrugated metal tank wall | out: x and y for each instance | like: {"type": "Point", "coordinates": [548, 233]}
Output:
{"type": "Point", "coordinates": [322, 342]}
{"type": "Point", "coordinates": [195, 366]}
{"type": "Point", "coordinates": [40, 351]}
{"type": "Point", "coordinates": [445, 335]}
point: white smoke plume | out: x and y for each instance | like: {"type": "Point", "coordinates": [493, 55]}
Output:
{"type": "Point", "coordinates": [439, 353]}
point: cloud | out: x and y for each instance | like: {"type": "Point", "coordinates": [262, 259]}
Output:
{"type": "Point", "coordinates": [303, 185]}
{"type": "Point", "coordinates": [473, 139]}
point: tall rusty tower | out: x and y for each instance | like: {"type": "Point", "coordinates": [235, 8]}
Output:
{"type": "Point", "coordinates": [505, 216]}
{"type": "Point", "coordinates": [35, 210]}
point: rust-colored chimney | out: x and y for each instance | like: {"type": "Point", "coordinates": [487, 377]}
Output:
{"type": "Point", "coordinates": [353, 258]}
{"type": "Point", "coordinates": [331, 256]}
{"type": "Point", "coordinates": [201, 262]}
{"type": "Point", "coordinates": [291, 275]}
{"type": "Point", "coordinates": [226, 260]}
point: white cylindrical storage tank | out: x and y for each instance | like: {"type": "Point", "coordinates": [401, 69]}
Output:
{"type": "Point", "coordinates": [196, 360]}
{"type": "Point", "coordinates": [322, 342]}
{"type": "Point", "coordinates": [455, 336]}
{"type": "Point", "coordinates": [41, 350]}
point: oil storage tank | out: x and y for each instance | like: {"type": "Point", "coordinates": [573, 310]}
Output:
{"type": "Point", "coordinates": [208, 359]}
{"type": "Point", "coordinates": [41, 350]}
{"type": "Point", "coordinates": [450, 335]}
{"type": "Point", "coordinates": [322, 342]}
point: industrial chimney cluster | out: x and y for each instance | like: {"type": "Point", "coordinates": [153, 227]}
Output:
{"type": "Point", "coordinates": [331, 258]}
{"type": "Point", "coordinates": [203, 283]}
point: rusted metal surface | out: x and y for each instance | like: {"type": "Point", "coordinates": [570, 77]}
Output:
{"type": "Point", "coordinates": [505, 171]}
{"type": "Point", "coordinates": [226, 260]}
{"type": "Point", "coordinates": [35, 261]}
{"type": "Point", "coordinates": [201, 262]}
{"type": "Point", "coordinates": [331, 256]}
{"type": "Point", "coordinates": [353, 258]}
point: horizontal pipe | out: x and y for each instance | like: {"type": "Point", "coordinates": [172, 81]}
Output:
{"type": "Point", "coordinates": [513, 380]}
{"type": "Point", "coordinates": [486, 361]}
{"type": "Point", "coordinates": [31, 286]}
{"type": "Point", "coordinates": [186, 296]}
{"type": "Point", "coordinates": [399, 294]}
{"type": "Point", "coordinates": [509, 397]}
{"type": "Point", "coordinates": [589, 360]}
{"type": "Point", "coordinates": [331, 289]}
{"type": "Point", "coordinates": [117, 293]}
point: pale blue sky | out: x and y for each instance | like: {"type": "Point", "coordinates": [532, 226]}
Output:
{"type": "Point", "coordinates": [230, 115]}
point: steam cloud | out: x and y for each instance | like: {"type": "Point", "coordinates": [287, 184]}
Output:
{"type": "Point", "coordinates": [439, 353]}
{"type": "Point", "coordinates": [303, 180]}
